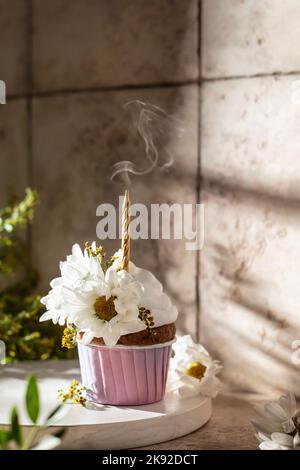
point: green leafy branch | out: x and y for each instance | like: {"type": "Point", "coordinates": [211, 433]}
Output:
{"type": "Point", "coordinates": [13, 438]}
{"type": "Point", "coordinates": [12, 217]}
{"type": "Point", "coordinates": [20, 308]}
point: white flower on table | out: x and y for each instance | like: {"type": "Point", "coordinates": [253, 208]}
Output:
{"type": "Point", "coordinates": [277, 424]}
{"type": "Point", "coordinates": [278, 441]}
{"type": "Point", "coordinates": [192, 370]}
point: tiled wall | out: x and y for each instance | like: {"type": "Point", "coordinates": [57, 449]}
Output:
{"type": "Point", "coordinates": [250, 163]}
{"type": "Point", "coordinates": [71, 65]}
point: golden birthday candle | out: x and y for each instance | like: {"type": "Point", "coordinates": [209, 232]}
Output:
{"type": "Point", "coordinates": [125, 232]}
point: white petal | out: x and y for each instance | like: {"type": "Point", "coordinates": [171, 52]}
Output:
{"type": "Point", "coordinates": [62, 320]}
{"type": "Point", "coordinates": [110, 339]}
{"type": "Point", "coordinates": [288, 403]}
{"type": "Point", "coordinates": [275, 411]}
{"type": "Point", "coordinates": [269, 445]}
{"type": "Point", "coordinates": [76, 251]}
{"type": "Point", "coordinates": [111, 281]}
{"type": "Point", "coordinates": [282, 439]}
{"type": "Point", "coordinates": [185, 391]}
{"type": "Point", "coordinates": [46, 316]}
{"type": "Point", "coordinates": [265, 426]}
{"type": "Point", "coordinates": [87, 337]}
{"type": "Point", "coordinates": [296, 441]}
{"type": "Point", "coordinates": [262, 437]}
{"type": "Point", "coordinates": [288, 426]}
{"type": "Point", "coordinates": [56, 282]}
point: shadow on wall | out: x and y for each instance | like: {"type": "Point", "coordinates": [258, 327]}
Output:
{"type": "Point", "coordinates": [88, 60]}
{"type": "Point", "coordinates": [250, 293]}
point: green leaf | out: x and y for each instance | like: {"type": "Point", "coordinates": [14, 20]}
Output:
{"type": "Point", "coordinates": [32, 399]}
{"type": "Point", "coordinates": [15, 430]}
{"type": "Point", "coordinates": [4, 439]}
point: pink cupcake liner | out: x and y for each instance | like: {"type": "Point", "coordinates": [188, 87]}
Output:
{"type": "Point", "coordinates": [125, 375]}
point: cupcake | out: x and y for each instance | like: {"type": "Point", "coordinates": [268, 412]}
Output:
{"type": "Point", "coordinates": [121, 320]}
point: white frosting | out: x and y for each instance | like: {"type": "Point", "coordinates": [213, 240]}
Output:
{"type": "Point", "coordinates": [153, 297]}
{"type": "Point", "coordinates": [83, 282]}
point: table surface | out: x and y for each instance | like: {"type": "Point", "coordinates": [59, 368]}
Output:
{"type": "Point", "coordinates": [228, 428]}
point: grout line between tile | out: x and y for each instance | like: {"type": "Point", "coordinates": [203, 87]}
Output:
{"type": "Point", "coordinates": [29, 163]}
{"type": "Point", "coordinates": [141, 86]}
{"type": "Point", "coordinates": [71, 91]}
{"type": "Point", "coordinates": [198, 176]}
{"type": "Point", "coordinates": [250, 76]}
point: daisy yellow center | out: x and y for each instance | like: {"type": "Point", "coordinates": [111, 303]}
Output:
{"type": "Point", "coordinates": [196, 370]}
{"type": "Point", "coordinates": [105, 309]}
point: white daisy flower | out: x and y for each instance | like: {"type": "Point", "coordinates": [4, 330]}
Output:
{"type": "Point", "coordinates": [80, 268]}
{"type": "Point", "coordinates": [54, 303]}
{"type": "Point", "coordinates": [105, 304]}
{"type": "Point", "coordinates": [193, 371]}
{"type": "Point", "coordinates": [278, 441]}
{"type": "Point", "coordinates": [278, 424]}
{"type": "Point", "coordinates": [78, 271]}
{"type": "Point", "coordinates": [107, 310]}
